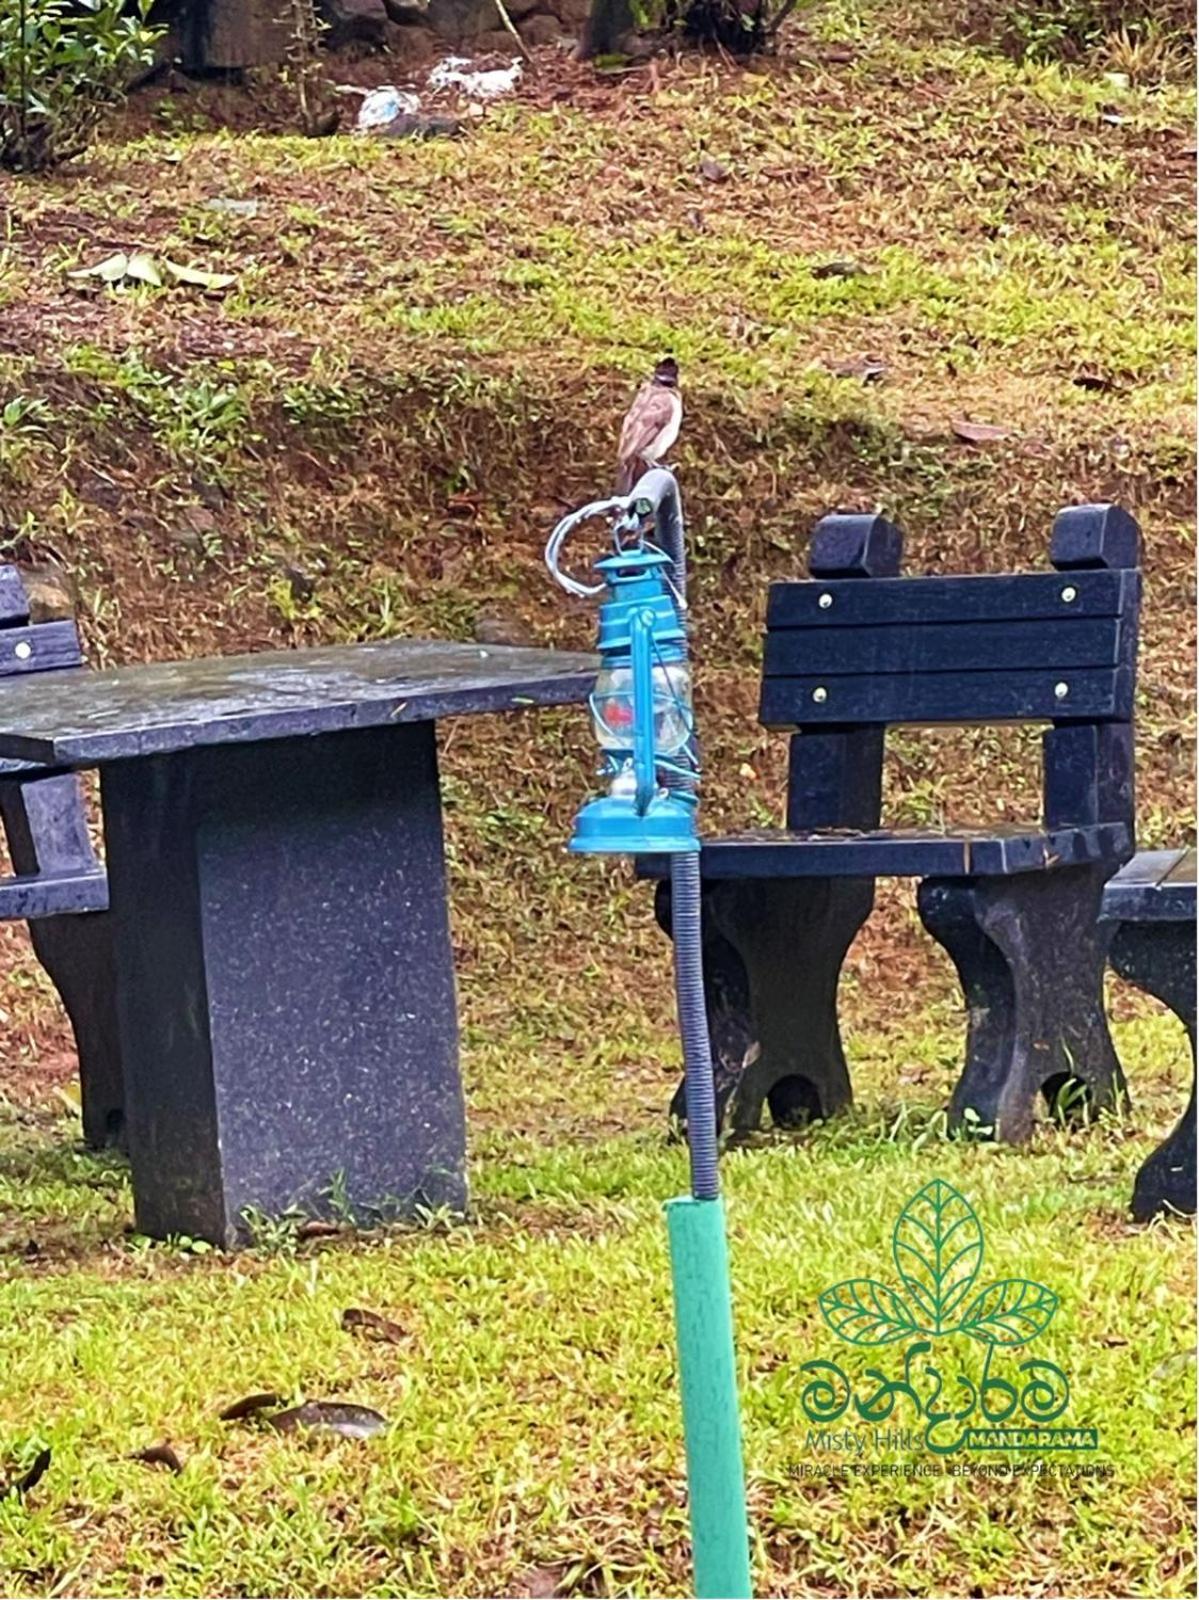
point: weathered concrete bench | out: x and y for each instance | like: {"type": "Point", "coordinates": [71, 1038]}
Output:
{"type": "Point", "coordinates": [58, 885]}
{"type": "Point", "coordinates": [1150, 908]}
{"type": "Point", "coordinates": [849, 653]}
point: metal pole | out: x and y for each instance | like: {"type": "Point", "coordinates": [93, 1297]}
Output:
{"type": "Point", "coordinates": [695, 1223]}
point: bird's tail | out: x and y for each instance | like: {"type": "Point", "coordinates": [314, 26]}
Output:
{"type": "Point", "coordinates": [626, 475]}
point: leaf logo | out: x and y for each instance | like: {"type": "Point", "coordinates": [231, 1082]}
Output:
{"type": "Point", "coordinates": [937, 1247]}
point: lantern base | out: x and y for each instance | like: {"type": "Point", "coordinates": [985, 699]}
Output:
{"type": "Point", "coordinates": [613, 826]}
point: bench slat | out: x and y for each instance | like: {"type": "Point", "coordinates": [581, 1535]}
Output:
{"type": "Point", "coordinates": [905, 852]}
{"type": "Point", "coordinates": [976, 598]}
{"type": "Point", "coordinates": [944, 647]}
{"type": "Point", "coordinates": [25, 899]}
{"type": "Point", "coordinates": [1095, 695]}
{"type": "Point", "coordinates": [40, 647]}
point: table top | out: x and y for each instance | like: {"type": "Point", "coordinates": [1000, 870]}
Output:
{"type": "Point", "coordinates": [83, 719]}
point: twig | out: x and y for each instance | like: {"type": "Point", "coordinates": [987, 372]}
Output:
{"type": "Point", "coordinates": [511, 27]}
{"type": "Point", "coordinates": [23, 89]}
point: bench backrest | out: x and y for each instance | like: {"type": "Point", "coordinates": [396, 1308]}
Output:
{"type": "Point", "coordinates": [1056, 647]}
{"type": "Point", "coordinates": [835, 777]}
{"type": "Point", "coordinates": [43, 814]}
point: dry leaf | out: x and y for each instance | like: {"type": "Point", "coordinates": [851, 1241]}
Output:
{"type": "Point", "coordinates": [331, 1416]}
{"type": "Point", "coordinates": [837, 269]}
{"type": "Point", "coordinates": [977, 432]}
{"type": "Point", "coordinates": [28, 1479]}
{"type": "Point", "coordinates": [251, 1403]}
{"type": "Point", "coordinates": [198, 278]}
{"type": "Point", "coordinates": [158, 1455]}
{"type": "Point", "coordinates": [354, 1318]}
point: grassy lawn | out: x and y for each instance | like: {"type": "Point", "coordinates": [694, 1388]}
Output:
{"type": "Point", "coordinates": [422, 362]}
{"type": "Point", "coordinates": [534, 1442]}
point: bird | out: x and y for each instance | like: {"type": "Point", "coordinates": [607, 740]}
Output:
{"type": "Point", "coordinates": [651, 425]}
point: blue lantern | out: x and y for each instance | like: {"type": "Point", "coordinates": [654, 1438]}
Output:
{"type": "Point", "coordinates": [641, 704]}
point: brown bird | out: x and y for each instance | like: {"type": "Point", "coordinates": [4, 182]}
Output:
{"type": "Point", "coordinates": [651, 426]}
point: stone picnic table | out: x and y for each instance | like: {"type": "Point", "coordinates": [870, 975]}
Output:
{"type": "Point", "coordinates": [278, 892]}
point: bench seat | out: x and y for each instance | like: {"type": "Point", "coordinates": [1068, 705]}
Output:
{"type": "Point", "coordinates": [910, 852]}
{"type": "Point", "coordinates": [1149, 910]}
{"type": "Point", "coordinates": [1155, 886]}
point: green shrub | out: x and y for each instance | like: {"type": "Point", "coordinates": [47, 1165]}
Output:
{"type": "Point", "coordinates": [1064, 30]}
{"type": "Point", "coordinates": [62, 63]}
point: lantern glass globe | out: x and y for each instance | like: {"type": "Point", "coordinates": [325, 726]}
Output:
{"type": "Point", "coordinates": [613, 711]}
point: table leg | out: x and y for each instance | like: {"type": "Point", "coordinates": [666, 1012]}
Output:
{"type": "Point", "coordinates": [1159, 957]}
{"type": "Point", "coordinates": [286, 984]}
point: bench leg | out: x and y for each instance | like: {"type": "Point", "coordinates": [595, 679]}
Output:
{"type": "Point", "coordinates": [1159, 957]}
{"type": "Point", "coordinates": [726, 994]}
{"type": "Point", "coordinates": [773, 951]}
{"type": "Point", "coordinates": [77, 952]}
{"type": "Point", "coordinates": [1030, 953]}
{"type": "Point", "coordinates": [285, 982]}
{"type": "Point", "coordinates": [46, 827]}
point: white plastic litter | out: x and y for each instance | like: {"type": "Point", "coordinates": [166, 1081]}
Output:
{"type": "Point", "coordinates": [382, 106]}
{"type": "Point", "coordinates": [454, 73]}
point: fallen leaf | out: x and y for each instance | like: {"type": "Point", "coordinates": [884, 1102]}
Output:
{"type": "Point", "coordinates": [1174, 1364]}
{"type": "Point", "coordinates": [867, 368]}
{"type": "Point", "coordinates": [112, 269]}
{"type": "Point", "coordinates": [251, 1403]}
{"type": "Point", "coordinates": [354, 1318]}
{"type": "Point", "coordinates": [838, 269]}
{"type": "Point", "coordinates": [28, 1479]}
{"type": "Point", "coordinates": [233, 208]}
{"type": "Point", "coordinates": [143, 268]}
{"type": "Point", "coordinates": [711, 169]}
{"type": "Point", "coordinates": [977, 432]}
{"type": "Point", "coordinates": [158, 1455]}
{"type": "Point", "coordinates": [303, 587]}
{"type": "Point", "coordinates": [198, 278]}
{"type": "Point", "coordinates": [1092, 380]}
{"type": "Point", "coordinates": [337, 1417]}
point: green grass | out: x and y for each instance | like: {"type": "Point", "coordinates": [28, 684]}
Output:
{"type": "Point", "coordinates": [533, 1414]}
{"type": "Point", "coordinates": [423, 362]}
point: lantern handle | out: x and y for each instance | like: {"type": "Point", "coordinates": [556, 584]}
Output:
{"type": "Point", "coordinates": [553, 549]}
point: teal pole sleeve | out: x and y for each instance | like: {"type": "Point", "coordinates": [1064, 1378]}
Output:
{"type": "Point", "coordinates": [703, 1313]}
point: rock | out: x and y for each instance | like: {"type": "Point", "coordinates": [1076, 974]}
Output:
{"type": "Point", "coordinates": [459, 21]}
{"type": "Point", "coordinates": [411, 44]}
{"type": "Point", "coordinates": [538, 30]}
{"type": "Point", "coordinates": [572, 14]}
{"type": "Point", "coordinates": [414, 125]}
{"type": "Point", "coordinates": [496, 42]}
{"type": "Point", "coordinates": [225, 35]}
{"type": "Point", "coordinates": [50, 592]}
{"type": "Point", "coordinates": [518, 10]}
{"type": "Point", "coordinates": [493, 626]}
{"type": "Point", "coordinates": [354, 22]}
{"type": "Point", "coordinates": [407, 13]}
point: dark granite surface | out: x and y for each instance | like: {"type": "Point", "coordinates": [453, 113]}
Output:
{"type": "Point", "coordinates": [84, 719]}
